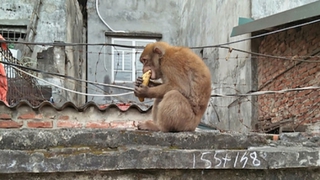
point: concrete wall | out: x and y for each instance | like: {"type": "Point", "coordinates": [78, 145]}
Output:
{"type": "Point", "coordinates": [58, 21]}
{"type": "Point", "coordinates": [52, 21]}
{"type": "Point", "coordinates": [263, 8]}
{"type": "Point", "coordinates": [186, 23]}
{"type": "Point", "coordinates": [190, 23]}
{"type": "Point", "coordinates": [129, 16]}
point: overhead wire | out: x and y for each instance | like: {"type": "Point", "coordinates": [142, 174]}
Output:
{"type": "Point", "coordinates": [212, 95]}
{"type": "Point", "coordinates": [70, 90]}
{"type": "Point", "coordinates": [68, 77]}
{"type": "Point", "coordinates": [257, 93]}
{"type": "Point", "coordinates": [141, 47]}
{"type": "Point", "coordinates": [257, 36]}
{"type": "Point", "coordinates": [222, 45]}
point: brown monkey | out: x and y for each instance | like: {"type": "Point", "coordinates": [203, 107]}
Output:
{"type": "Point", "coordinates": [182, 98]}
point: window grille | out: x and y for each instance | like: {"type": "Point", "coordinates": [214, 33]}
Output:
{"type": "Point", "coordinates": [126, 66]}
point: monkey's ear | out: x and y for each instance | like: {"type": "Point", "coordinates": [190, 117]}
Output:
{"type": "Point", "coordinates": [159, 50]}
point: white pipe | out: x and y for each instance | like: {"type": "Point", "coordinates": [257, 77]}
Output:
{"type": "Point", "coordinates": [97, 8]}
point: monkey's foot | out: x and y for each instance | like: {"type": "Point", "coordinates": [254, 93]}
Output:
{"type": "Point", "coordinates": [148, 125]}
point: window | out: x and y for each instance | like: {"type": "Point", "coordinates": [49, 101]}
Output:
{"type": "Point", "coordinates": [12, 34]}
{"type": "Point", "coordinates": [126, 66]}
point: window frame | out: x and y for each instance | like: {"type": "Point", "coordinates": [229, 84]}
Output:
{"type": "Point", "coordinates": [134, 58]}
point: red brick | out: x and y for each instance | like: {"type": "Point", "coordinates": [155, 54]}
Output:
{"type": "Point", "coordinates": [38, 116]}
{"type": "Point", "coordinates": [317, 99]}
{"type": "Point", "coordinates": [302, 93]}
{"type": "Point", "coordinates": [313, 71]}
{"type": "Point", "coordinates": [5, 116]}
{"type": "Point", "coordinates": [10, 124]}
{"type": "Point", "coordinates": [64, 117]}
{"type": "Point", "coordinates": [30, 115]}
{"type": "Point", "coordinates": [314, 41]}
{"type": "Point", "coordinates": [310, 36]}
{"type": "Point", "coordinates": [302, 69]}
{"type": "Point", "coordinates": [101, 124]}
{"type": "Point", "coordinates": [282, 47]}
{"type": "Point", "coordinates": [314, 94]}
{"type": "Point", "coordinates": [276, 119]}
{"type": "Point", "coordinates": [303, 53]}
{"type": "Point", "coordinates": [290, 103]}
{"type": "Point", "coordinates": [68, 124]}
{"type": "Point", "coordinates": [304, 109]}
{"type": "Point", "coordinates": [39, 124]}
{"type": "Point", "coordinates": [307, 102]}
{"type": "Point", "coordinates": [122, 124]}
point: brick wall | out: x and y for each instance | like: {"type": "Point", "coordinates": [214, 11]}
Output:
{"type": "Point", "coordinates": [297, 107]}
{"type": "Point", "coordinates": [48, 117]}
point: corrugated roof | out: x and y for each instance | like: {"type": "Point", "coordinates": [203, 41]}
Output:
{"type": "Point", "coordinates": [121, 106]}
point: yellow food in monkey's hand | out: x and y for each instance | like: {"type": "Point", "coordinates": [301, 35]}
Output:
{"type": "Point", "coordinates": [145, 81]}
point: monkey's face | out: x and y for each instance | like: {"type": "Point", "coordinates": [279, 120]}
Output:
{"type": "Point", "coordinates": [151, 61]}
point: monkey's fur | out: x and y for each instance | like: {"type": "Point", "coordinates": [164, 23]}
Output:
{"type": "Point", "coordinates": [182, 98]}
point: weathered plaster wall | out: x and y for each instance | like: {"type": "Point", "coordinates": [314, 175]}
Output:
{"type": "Point", "coordinates": [263, 8]}
{"type": "Point", "coordinates": [130, 16]}
{"type": "Point", "coordinates": [187, 23]}
{"type": "Point", "coordinates": [58, 21]}
{"type": "Point", "coordinates": [52, 20]}
{"type": "Point", "coordinates": [76, 55]}
{"type": "Point", "coordinates": [211, 23]}
{"type": "Point", "coordinates": [21, 10]}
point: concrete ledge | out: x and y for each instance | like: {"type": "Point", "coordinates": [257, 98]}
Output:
{"type": "Point", "coordinates": [83, 150]}
{"type": "Point", "coordinates": [30, 139]}
{"type": "Point", "coordinates": [255, 174]}
{"type": "Point", "coordinates": [144, 157]}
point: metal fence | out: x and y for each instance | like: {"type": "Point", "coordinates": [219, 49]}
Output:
{"type": "Point", "coordinates": [18, 88]}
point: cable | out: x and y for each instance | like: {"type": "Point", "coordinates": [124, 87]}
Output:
{"type": "Point", "coordinates": [68, 77]}
{"type": "Point", "coordinates": [70, 44]}
{"type": "Point", "coordinates": [257, 93]}
{"type": "Point", "coordinates": [269, 56]}
{"type": "Point", "coordinates": [257, 36]}
{"type": "Point", "coordinates": [104, 22]}
{"type": "Point", "coordinates": [141, 47]}
{"type": "Point", "coordinates": [212, 95]}
{"type": "Point", "coordinates": [69, 90]}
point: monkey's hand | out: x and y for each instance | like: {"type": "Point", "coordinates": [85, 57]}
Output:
{"type": "Point", "coordinates": [138, 81]}
{"type": "Point", "coordinates": [145, 81]}
{"type": "Point", "coordinates": [151, 83]}
{"type": "Point", "coordinates": [141, 91]}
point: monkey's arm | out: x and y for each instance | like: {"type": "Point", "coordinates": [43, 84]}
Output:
{"type": "Point", "coordinates": [151, 92]}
